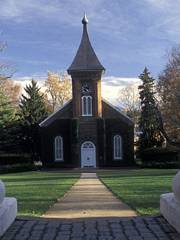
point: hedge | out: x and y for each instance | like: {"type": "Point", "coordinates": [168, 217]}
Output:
{"type": "Point", "coordinates": [161, 157]}
{"type": "Point", "coordinates": [18, 168]}
{"type": "Point", "coordinates": [11, 159]}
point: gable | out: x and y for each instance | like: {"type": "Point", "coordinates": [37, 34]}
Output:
{"type": "Point", "coordinates": [62, 113]}
{"type": "Point", "coordinates": [109, 111]}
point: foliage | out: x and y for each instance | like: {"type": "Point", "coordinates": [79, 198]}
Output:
{"type": "Point", "coordinates": [6, 109]}
{"type": "Point", "coordinates": [37, 191]}
{"type": "Point", "coordinates": [58, 89]}
{"type": "Point", "coordinates": [33, 111]}
{"type": "Point", "coordinates": [18, 167]}
{"type": "Point", "coordinates": [14, 158]}
{"type": "Point", "coordinates": [150, 123]}
{"type": "Point", "coordinates": [9, 128]}
{"type": "Point", "coordinates": [141, 189]}
{"type": "Point", "coordinates": [168, 157]}
{"type": "Point", "coordinates": [12, 91]}
{"type": "Point", "coordinates": [9, 94]}
{"type": "Point", "coordinates": [169, 92]}
{"type": "Point", "coordinates": [6, 70]}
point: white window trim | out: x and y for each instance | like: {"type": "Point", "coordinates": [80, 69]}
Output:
{"type": "Point", "coordinates": [87, 107]}
{"type": "Point", "coordinates": [61, 145]}
{"type": "Point", "coordinates": [121, 149]}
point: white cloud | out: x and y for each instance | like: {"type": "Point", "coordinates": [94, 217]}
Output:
{"type": "Point", "coordinates": [119, 81]}
{"type": "Point", "coordinates": [161, 4]}
{"type": "Point", "coordinates": [68, 12]}
{"type": "Point", "coordinates": [166, 19]}
{"type": "Point", "coordinates": [39, 77]}
{"type": "Point", "coordinates": [26, 80]}
{"type": "Point", "coordinates": [110, 85]}
{"type": "Point", "coordinates": [108, 17]}
{"type": "Point", "coordinates": [61, 10]}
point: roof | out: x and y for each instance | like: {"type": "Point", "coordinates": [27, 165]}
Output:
{"type": "Point", "coordinates": [61, 114]}
{"type": "Point", "coordinates": [85, 59]}
{"type": "Point", "coordinates": [56, 115]}
{"type": "Point", "coordinates": [121, 114]}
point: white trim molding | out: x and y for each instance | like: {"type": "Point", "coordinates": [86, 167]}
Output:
{"type": "Point", "coordinates": [86, 103]}
{"type": "Point", "coordinates": [88, 154]}
{"type": "Point", "coordinates": [117, 147]}
{"type": "Point", "coordinates": [58, 149]}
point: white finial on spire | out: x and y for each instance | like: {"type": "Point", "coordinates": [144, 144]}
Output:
{"type": "Point", "coordinates": [85, 20]}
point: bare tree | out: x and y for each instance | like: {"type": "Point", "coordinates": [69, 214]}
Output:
{"type": "Point", "coordinates": [169, 92]}
{"type": "Point", "coordinates": [58, 89]}
{"type": "Point", "coordinates": [128, 98]}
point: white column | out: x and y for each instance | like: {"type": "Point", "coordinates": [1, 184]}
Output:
{"type": "Point", "coordinates": [8, 210]}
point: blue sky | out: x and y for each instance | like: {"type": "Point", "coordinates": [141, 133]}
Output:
{"type": "Point", "coordinates": [126, 35]}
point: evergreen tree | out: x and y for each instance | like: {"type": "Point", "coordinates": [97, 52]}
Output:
{"type": "Point", "coordinates": [150, 123]}
{"type": "Point", "coordinates": [8, 118]}
{"type": "Point", "coordinates": [33, 111]}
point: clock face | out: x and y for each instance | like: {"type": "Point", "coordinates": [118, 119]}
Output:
{"type": "Point", "coordinates": [85, 88]}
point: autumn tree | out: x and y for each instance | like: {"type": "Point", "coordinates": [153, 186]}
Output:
{"type": "Point", "coordinates": [10, 88]}
{"type": "Point", "coordinates": [58, 89]}
{"type": "Point", "coordinates": [128, 98]}
{"type": "Point", "coordinates": [9, 93]}
{"type": "Point", "coordinates": [150, 123]}
{"type": "Point", "coordinates": [13, 91]}
{"type": "Point", "coordinates": [5, 71]}
{"type": "Point", "coordinates": [33, 111]}
{"type": "Point", "coordinates": [169, 92]}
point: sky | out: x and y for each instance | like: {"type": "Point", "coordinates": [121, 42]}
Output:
{"type": "Point", "coordinates": [44, 35]}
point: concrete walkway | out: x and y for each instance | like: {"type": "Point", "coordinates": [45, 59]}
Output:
{"type": "Point", "coordinates": [89, 198]}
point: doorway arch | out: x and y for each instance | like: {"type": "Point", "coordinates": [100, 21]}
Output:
{"type": "Point", "coordinates": [88, 154]}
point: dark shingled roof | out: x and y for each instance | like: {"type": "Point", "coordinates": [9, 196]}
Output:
{"type": "Point", "coordinates": [85, 58]}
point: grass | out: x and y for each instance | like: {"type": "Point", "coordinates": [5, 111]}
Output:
{"type": "Point", "coordinates": [37, 191]}
{"type": "Point", "coordinates": [140, 189]}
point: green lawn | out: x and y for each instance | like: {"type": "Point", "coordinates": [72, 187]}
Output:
{"type": "Point", "coordinates": [37, 191]}
{"type": "Point", "coordinates": [141, 189]}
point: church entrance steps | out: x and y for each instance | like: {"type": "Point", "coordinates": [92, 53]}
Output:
{"type": "Point", "coordinates": [89, 198]}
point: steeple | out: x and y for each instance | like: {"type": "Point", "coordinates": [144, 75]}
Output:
{"type": "Point", "coordinates": [85, 59]}
{"type": "Point", "coordinates": [85, 20]}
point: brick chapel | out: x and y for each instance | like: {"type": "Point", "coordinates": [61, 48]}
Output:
{"type": "Point", "coordinates": [87, 131]}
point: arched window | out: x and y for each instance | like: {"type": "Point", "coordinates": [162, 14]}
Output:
{"type": "Point", "coordinates": [117, 147]}
{"type": "Point", "coordinates": [58, 147]}
{"type": "Point", "coordinates": [86, 106]}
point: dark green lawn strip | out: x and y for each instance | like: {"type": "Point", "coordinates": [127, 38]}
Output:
{"type": "Point", "coordinates": [141, 189]}
{"type": "Point", "coordinates": [37, 191]}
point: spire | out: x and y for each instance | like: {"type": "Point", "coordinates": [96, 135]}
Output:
{"type": "Point", "coordinates": [85, 19]}
{"type": "Point", "coordinates": [85, 59]}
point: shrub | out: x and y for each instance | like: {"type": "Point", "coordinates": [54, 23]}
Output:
{"type": "Point", "coordinates": [11, 159]}
{"type": "Point", "coordinates": [168, 157]}
{"type": "Point", "coordinates": [18, 168]}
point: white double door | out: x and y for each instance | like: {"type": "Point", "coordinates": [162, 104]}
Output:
{"type": "Point", "coordinates": [88, 154]}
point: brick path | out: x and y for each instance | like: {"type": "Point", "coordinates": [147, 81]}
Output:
{"type": "Point", "coordinates": [136, 228]}
{"type": "Point", "coordinates": [89, 198]}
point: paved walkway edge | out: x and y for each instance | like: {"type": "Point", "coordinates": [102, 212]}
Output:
{"type": "Point", "coordinates": [89, 198]}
